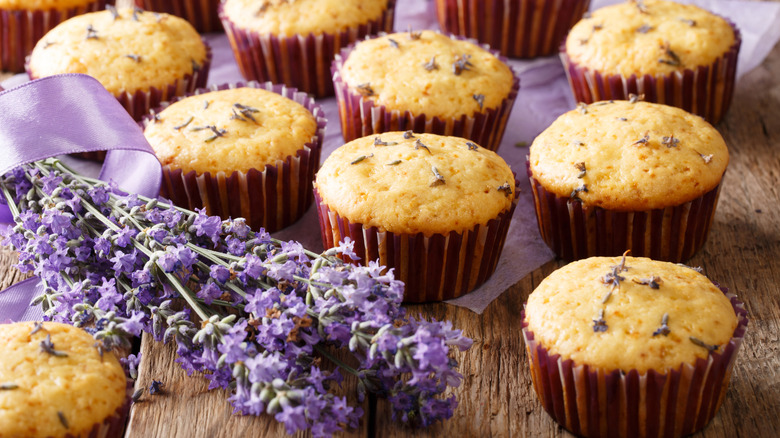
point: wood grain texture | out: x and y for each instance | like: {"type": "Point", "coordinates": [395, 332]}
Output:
{"type": "Point", "coordinates": [497, 398]}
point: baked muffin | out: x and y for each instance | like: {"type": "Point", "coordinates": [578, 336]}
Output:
{"type": "Point", "coordinates": [621, 347]}
{"type": "Point", "coordinates": [425, 82]}
{"type": "Point", "coordinates": [674, 54]}
{"type": "Point", "coordinates": [55, 383]}
{"type": "Point", "coordinates": [24, 22]}
{"type": "Point", "coordinates": [202, 14]}
{"type": "Point", "coordinates": [294, 42]}
{"type": "Point", "coordinates": [516, 28]}
{"type": "Point", "coordinates": [435, 209]}
{"type": "Point", "coordinates": [624, 175]}
{"type": "Point", "coordinates": [142, 58]}
{"type": "Point", "coordinates": [240, 151]}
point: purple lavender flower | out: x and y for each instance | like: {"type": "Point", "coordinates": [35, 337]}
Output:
{"type": "Point", "coordinates": [134, 325]}
{"type": "Point", "coordinates": [220, 273]}
{"type": "Point", "coordinates": [209, 292]}
{"type": "Point", "coordinates": [258, 341]}
{"type": "Point", "coordinates": [208, 226]}
{"type": "Point", "coordinates": [50, 182]}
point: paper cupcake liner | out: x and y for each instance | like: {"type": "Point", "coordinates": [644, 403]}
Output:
{"type": "Point", "coordinates": [361, 116]}
{"type": "Point", "coordinates": [516, 28]}
{"type": "Point", "coordinates": [202, 14]}
{"type": "Point", "coordinates": [111, 427]}
{"type": "Point", "coordinates": [21, 29]}
{"type": "Point", "coordinates": [706, 90]}
{"type": "Point", "coordinates": [574, 230]}
{"type": "Point", "coordinates": [595, 402]}
{"type": "Point", "coordinates": [270, 198]}
{"type": "Point", "coordinates": [433, 268]}
{"type": "Point", "coordinates": [301, 61]}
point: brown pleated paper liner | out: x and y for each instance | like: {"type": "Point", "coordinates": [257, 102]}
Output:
{"type": "Point", "coordinates": [574, 230]}
{"type": "Point", "coordinates": [301, 61]}
{"type": "Point", "coordinates": [516, 28]}
{"type": "Point", "coordinates": [21, 29]}
{"type": "Point", "coordinates": [705, 90]}
{"type": "Point", "coordinates": [270, 198]}
{"type": "Point", "coordinates": [433, 268]}
{"type": "Point", "coordinates": [111, 427]}
{"type": "Point", "coordinates": [361, 116]}
{"type": "Point", "coordinates": [595, 402]}
{"type": "Point", "coordinates": [202, 14]}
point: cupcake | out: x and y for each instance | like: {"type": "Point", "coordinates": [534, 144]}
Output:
{"type": "Point", "coordinates": [624, 175]}
{"type": "Point", "coordinates": [435, 209]}
{"type": "Point", "coordinates": [631, 347]}
{"type": "Point", "coordinates": [55, 383]}
{"type": "Point", "coordinates": [141, 58]}
{"type": "Point", "coordinates": [674, 54]}
{"type": "Point", "coordinates": [23, 23]}
{"type": "Point", "coordinates": [294, 42]}
{"type": "Point", "coordinates": [516, 28]}
{"type": "Point", "coordinates": [202, 14]}
{"type": "Point", "coordinates": [240, 151]}
{"type": "Point", "coordinates": [425, 82]}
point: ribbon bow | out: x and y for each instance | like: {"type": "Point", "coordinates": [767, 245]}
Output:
{"type": "Point", "coordinates": [66, 114]}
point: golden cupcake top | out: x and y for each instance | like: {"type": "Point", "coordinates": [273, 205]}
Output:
{"type": "Point", "coordinates": [302, 17]}
{"type": "Point", "coordinates": [125, 50]}
{"type": "Point", "coordinates": [629, 156]}
{"type": "Point", "coordinates": [648, 37]}
{"type": "Point", "coordinates": [230, 130]}
{"type": "Point", "coordinates": [54, 382]}
{"type": "Point", "coordinates": [45, 5]}
{"type": "Point", "coordinates": [630, 313]}
{"type": "Point", "coordinates": [427, 73]}
{"type": "Point", "coordinates": [415, 183]}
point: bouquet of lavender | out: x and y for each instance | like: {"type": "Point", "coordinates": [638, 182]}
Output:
{"type": "Point", "coordinates": [253, 314]}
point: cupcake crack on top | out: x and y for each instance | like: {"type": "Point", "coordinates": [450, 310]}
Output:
{"type": "Point", "coordinates": [675, 54]}
{"type": "Point", "coordinates": [126, 50]}
{"type": "Point", "coordinates": [648, 37]}
{"type": "Point", "coordinates": [416, 183]}
{"type": "Point", "coordinates": [231, 130]}
{"type": "Point", "coordinates": [427, 73]}
{"type": "Point", "coordinates": [629, 156]}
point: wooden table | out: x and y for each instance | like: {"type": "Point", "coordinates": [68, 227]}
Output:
{"type": "Point", "coordinates": [497, 398]}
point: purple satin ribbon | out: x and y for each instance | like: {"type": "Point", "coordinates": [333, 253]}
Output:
{"type": "Point", "coordinates": [65, 114]}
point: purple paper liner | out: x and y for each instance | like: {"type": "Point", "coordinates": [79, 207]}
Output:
{"type": "Point", "coordinates": [706, 90]}
{"type": "Point", "coordinates": [300, 61]}
{"type": "Point", "coordinates": [21, 29]}
{"type": "Point", "coordinates": [361, 116]}
{"type": "Point", "coordinates": [516, 28]}
{"type": "Point", "coordinates": [575, 230]}
{"type": "Point", "coordinates": [594, 402]}
{"type": "Point", "coordinates": [434, 268]}
{"type": "Point", "coordinates": [202, 14]}
{"type": "Point", "coordinates": [270, 198]}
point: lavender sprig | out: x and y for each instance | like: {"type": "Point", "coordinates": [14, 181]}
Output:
{"type": "Point", "coordinates": [260, 313]}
